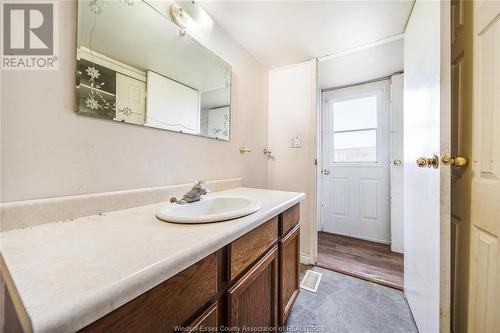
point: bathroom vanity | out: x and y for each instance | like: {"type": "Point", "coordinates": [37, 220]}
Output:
{"type": "Point", "coordinates": [251, 282]}
{"type": "Point", "coordinates": [127, 271]}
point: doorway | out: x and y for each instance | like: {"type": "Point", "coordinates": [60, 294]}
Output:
{"type": "Point", "coordinates": [361, 155]}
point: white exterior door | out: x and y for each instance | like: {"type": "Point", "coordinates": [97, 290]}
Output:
{"type": "Point", "coordinates": [427, 190]}
{"type": "Point", "coordinates": [356, 162]}
{"type": "Point", "coordinates": [484, 287]}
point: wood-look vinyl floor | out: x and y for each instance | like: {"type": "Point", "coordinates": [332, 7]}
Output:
{"type": "Point", "coordinates": [360, 258]}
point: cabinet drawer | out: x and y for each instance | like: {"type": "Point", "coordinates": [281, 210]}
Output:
{"type": "Point", "coordinates": [246, 249]}
{"type": "Point", "coordinates": [289, 219]}
{"type": "Point", "coordinates": [207, 322]}
{"type": "Point", "coordinates": [167, 305]}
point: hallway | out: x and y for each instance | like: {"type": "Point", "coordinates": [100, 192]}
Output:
{"type": "Point", "coordinates": [363, 259]}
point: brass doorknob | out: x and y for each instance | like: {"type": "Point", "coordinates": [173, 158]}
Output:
{"type": "Point", "coordinates": [458, 161]}
{"type": "Point", "coordinates": [244, 149]}
{"type": "Point", "coordinates": [426, 162]}
{"type": "Point", "coordinates": [396, 162]}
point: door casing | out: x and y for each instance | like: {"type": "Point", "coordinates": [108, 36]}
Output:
{"type": "Point", "coordinates": [363, 217]}
{"type": "Point", "coordinates": [396, 164]}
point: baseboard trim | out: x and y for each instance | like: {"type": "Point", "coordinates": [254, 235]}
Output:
{"type": "Point", "coordinates": [397, 249]}
{"type": "Point", "coordinates": [359, 237]}
{"type": "Point", "coordinates": [305, 259]}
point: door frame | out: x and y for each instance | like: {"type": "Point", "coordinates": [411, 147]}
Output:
{"type": "Point", "coordinates": [396, 152]}
{"type": "Point", "coordinates": [319, 154]}
{"type": "Point", "coordinates": [382, 88]}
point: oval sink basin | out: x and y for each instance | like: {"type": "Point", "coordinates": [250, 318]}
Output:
{"type": "Point", "coordinates": [211, 209]}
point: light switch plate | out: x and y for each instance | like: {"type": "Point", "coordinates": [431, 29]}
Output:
{"type": "Point", "coordinates": [296, 142]}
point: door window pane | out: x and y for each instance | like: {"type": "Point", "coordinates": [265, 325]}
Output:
{"type": "Point", "coordinates": [358, 146]}
{"type": "Point", "coordinates": [355, 130]}
{"type": "Point", "coordinates": [353, 114]}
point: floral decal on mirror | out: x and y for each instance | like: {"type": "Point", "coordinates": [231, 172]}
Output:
{"type": "Point", "coordinates": [93, 73]}
{"type": "Point", "coordinates": [92, 103]}
{"type": "Point", "coordinates": [95, 5]}
{"type": "Point", "coordinates": [95, 99]}
{"type": "Point", "coordinates": [224, 131]}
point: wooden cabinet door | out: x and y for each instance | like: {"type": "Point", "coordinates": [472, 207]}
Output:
{"type": "Point", "coordinates": [207, 322]}
{"type": "Point", "coordinates": [289, 253]}
{"type": "Point", "coordinates": [253, 300]}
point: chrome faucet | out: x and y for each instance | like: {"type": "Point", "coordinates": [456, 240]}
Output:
{"type": "Point", "coordinates": [194, 194]}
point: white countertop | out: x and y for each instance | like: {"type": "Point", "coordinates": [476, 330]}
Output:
{"type": "Point", "coordinates": [69, 274]}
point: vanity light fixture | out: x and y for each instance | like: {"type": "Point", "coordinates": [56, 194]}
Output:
{"type": "Point", "coordinates": [190, 15]}
{"type": "Point", "coordinates": [180, 17]}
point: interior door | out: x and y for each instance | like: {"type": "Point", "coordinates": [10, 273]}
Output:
{"type": "Point", "coordinates": [427, 189]}
{"type": "Point", "coordinates": [130, 95]}
{"type": "Point", "coordinates": [484, 294]}
{"type": "Point", "coordinates": [355, 136]}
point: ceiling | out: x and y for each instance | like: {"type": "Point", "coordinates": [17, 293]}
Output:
{"type": "Point", "coordinates": [281, 33]}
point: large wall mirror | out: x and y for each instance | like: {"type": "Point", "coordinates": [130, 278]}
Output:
{"type": "Point", "coordinates": [134, 65]}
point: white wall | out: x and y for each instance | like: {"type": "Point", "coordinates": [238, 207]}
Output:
{"type": "Point", "coordinates": [363, 65]}
{"type": "Point", "coordinates": [48, 150]}
{"type": "Point", "coordinates": [292, 111]}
